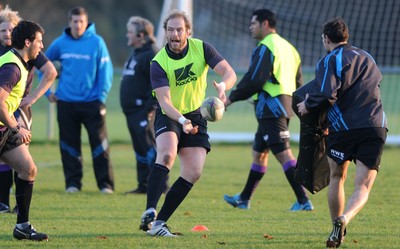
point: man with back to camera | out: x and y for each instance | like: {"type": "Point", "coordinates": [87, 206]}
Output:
{"type": "Point", "coordinates": [347, 80]}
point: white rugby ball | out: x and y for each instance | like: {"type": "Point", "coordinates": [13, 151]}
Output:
{"type": "Point", "coordinates": [212, 109]}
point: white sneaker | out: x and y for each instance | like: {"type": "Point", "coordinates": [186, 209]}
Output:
{"type": "Point", "coordinates": [161, 230]}
{"type": "Point", "coordinates": [107, 191]}
{"type": "Point", "coordinates": [72, 189]}
{"type": "Point", "coordinates": [147, 219]}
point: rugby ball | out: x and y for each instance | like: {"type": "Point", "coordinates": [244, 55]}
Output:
{"type": "Point", "coordinates": [212, 109]}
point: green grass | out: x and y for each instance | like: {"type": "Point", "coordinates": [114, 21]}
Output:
{"type": "Point", "coordinates": [90, 219]}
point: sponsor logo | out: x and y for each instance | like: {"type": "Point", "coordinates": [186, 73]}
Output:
{"type": "Point", "coordinates": [184, 75]}
{"type": "Point", "coordinates": [129, 68]}
{"type": "Point", "coordinates": [337, 154]}
{"type": "Point", "coordinates": [75, 56]}
{"type": "Point", "coordinates": [143, 123]}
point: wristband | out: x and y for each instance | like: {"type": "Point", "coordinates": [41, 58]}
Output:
{"type": "Point", "coordinates": [182, 120]}
{"type": "Point", "coordinates": [223, 85]}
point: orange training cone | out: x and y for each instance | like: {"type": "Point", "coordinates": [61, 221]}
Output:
{"type": "Point", "coordinates": [199, 228]}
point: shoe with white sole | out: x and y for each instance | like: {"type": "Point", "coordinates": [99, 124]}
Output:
{"type": "Point", "coordinates": [161, 230]}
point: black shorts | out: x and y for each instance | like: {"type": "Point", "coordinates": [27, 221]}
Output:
{"type": "Point", "coordinates": [365, 145]}
{"type": "Point", "coordinates": [163, 123]}
{"type": "Point", "coordinates": [272, 134]}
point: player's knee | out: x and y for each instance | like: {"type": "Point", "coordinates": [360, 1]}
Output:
{"type": "Point", "coordinates": [27, 173]}
{"type": "Point", "coordinates": [338, 174]}
{"type": "Point", "coordinates": [32, 172]}
{"type": "Point", "coordinates": [278, 148]}
{"type": "Point", "coordinates": [194, 176]}
{"type": "Point", "coordinates": [168, 159]}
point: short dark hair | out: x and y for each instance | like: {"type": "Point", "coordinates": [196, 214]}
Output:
{"type": "Point", "coordinates": [265, 14]}
{"type": "Point", "coordinates": [77, 11]}
{"type": "Point", "coordinates": [24, 30]}
{"type": "Point", "coordinates": [336, 30]}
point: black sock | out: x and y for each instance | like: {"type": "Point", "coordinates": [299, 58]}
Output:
{"type": "Point", "coordinates": [174, 198]}
{"type": "Point", "coordinates": [156, 184]}
{"type": "Point", "coordinates": [301, 195]}
{"type": "Point", "coordinates": [23, 196]}
{"type": "Point", "coordinates": [256, 174]}
{"type": "Point", "coordinates": [6, 179]}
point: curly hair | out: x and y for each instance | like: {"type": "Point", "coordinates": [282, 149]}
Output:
{"type": "Point", "coordinates": [9, 15]}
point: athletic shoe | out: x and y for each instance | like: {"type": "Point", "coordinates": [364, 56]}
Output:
{"type": "Point", "coordinates": [147, 219]}
{"type": "Point", "coordinates": [236, 201]}
{"type": "Point", "coordinates": [161, 230]}
{"type": "Point", "coordinates": [4, 208]}
{"type": "Point", "coordinates": [72, 189]}
{"type": "Point", "coordinates": [302, 207]}
{"type": "Point", "coordinates": [137, 191]}
{"type": "Point", "coordinates": [107, 191]}
{"type": "Point", "coordinates": [29, 233]}
{"type": "Point", "coordinates": [338, 232]}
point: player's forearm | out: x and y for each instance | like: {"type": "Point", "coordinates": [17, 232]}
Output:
{"type": "Point", "coordinates": [49, 75]}
{"type": "Point", "coordinates": [44, 85]}
{"type": "Point", "coordinates": [5, 118]}
{"type": "Point", "coordinates": [164, 99]}
{"type": "Point", "coordinates": [245, 89]}
{"type": "Point", "coordinates": [227, 74]}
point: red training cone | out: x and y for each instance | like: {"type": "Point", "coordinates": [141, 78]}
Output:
{"type": "Point", "coordinates": [199, 228]}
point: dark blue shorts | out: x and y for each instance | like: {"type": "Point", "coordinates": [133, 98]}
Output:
{"type": "Point", "coordinates": [272, 134]}
{"type": "Point", "coordinates": [163, 124]}
{"type": "Point", "coordinates": [365, 145]}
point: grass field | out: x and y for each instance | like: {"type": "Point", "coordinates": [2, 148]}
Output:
{"type": "Point", "coordinates": [90, 219]}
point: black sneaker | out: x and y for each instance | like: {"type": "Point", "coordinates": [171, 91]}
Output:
{"type": "Point", "coordinates": [338, 232]}
{"type": "Point", "coordinates": [4, 208]}
{"type": "Point", "coordinates": [147, 219]}
{"type": "Point", "coordinates": [29, 233]}
{"type": "Point", "coordinates": [137, 191]}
